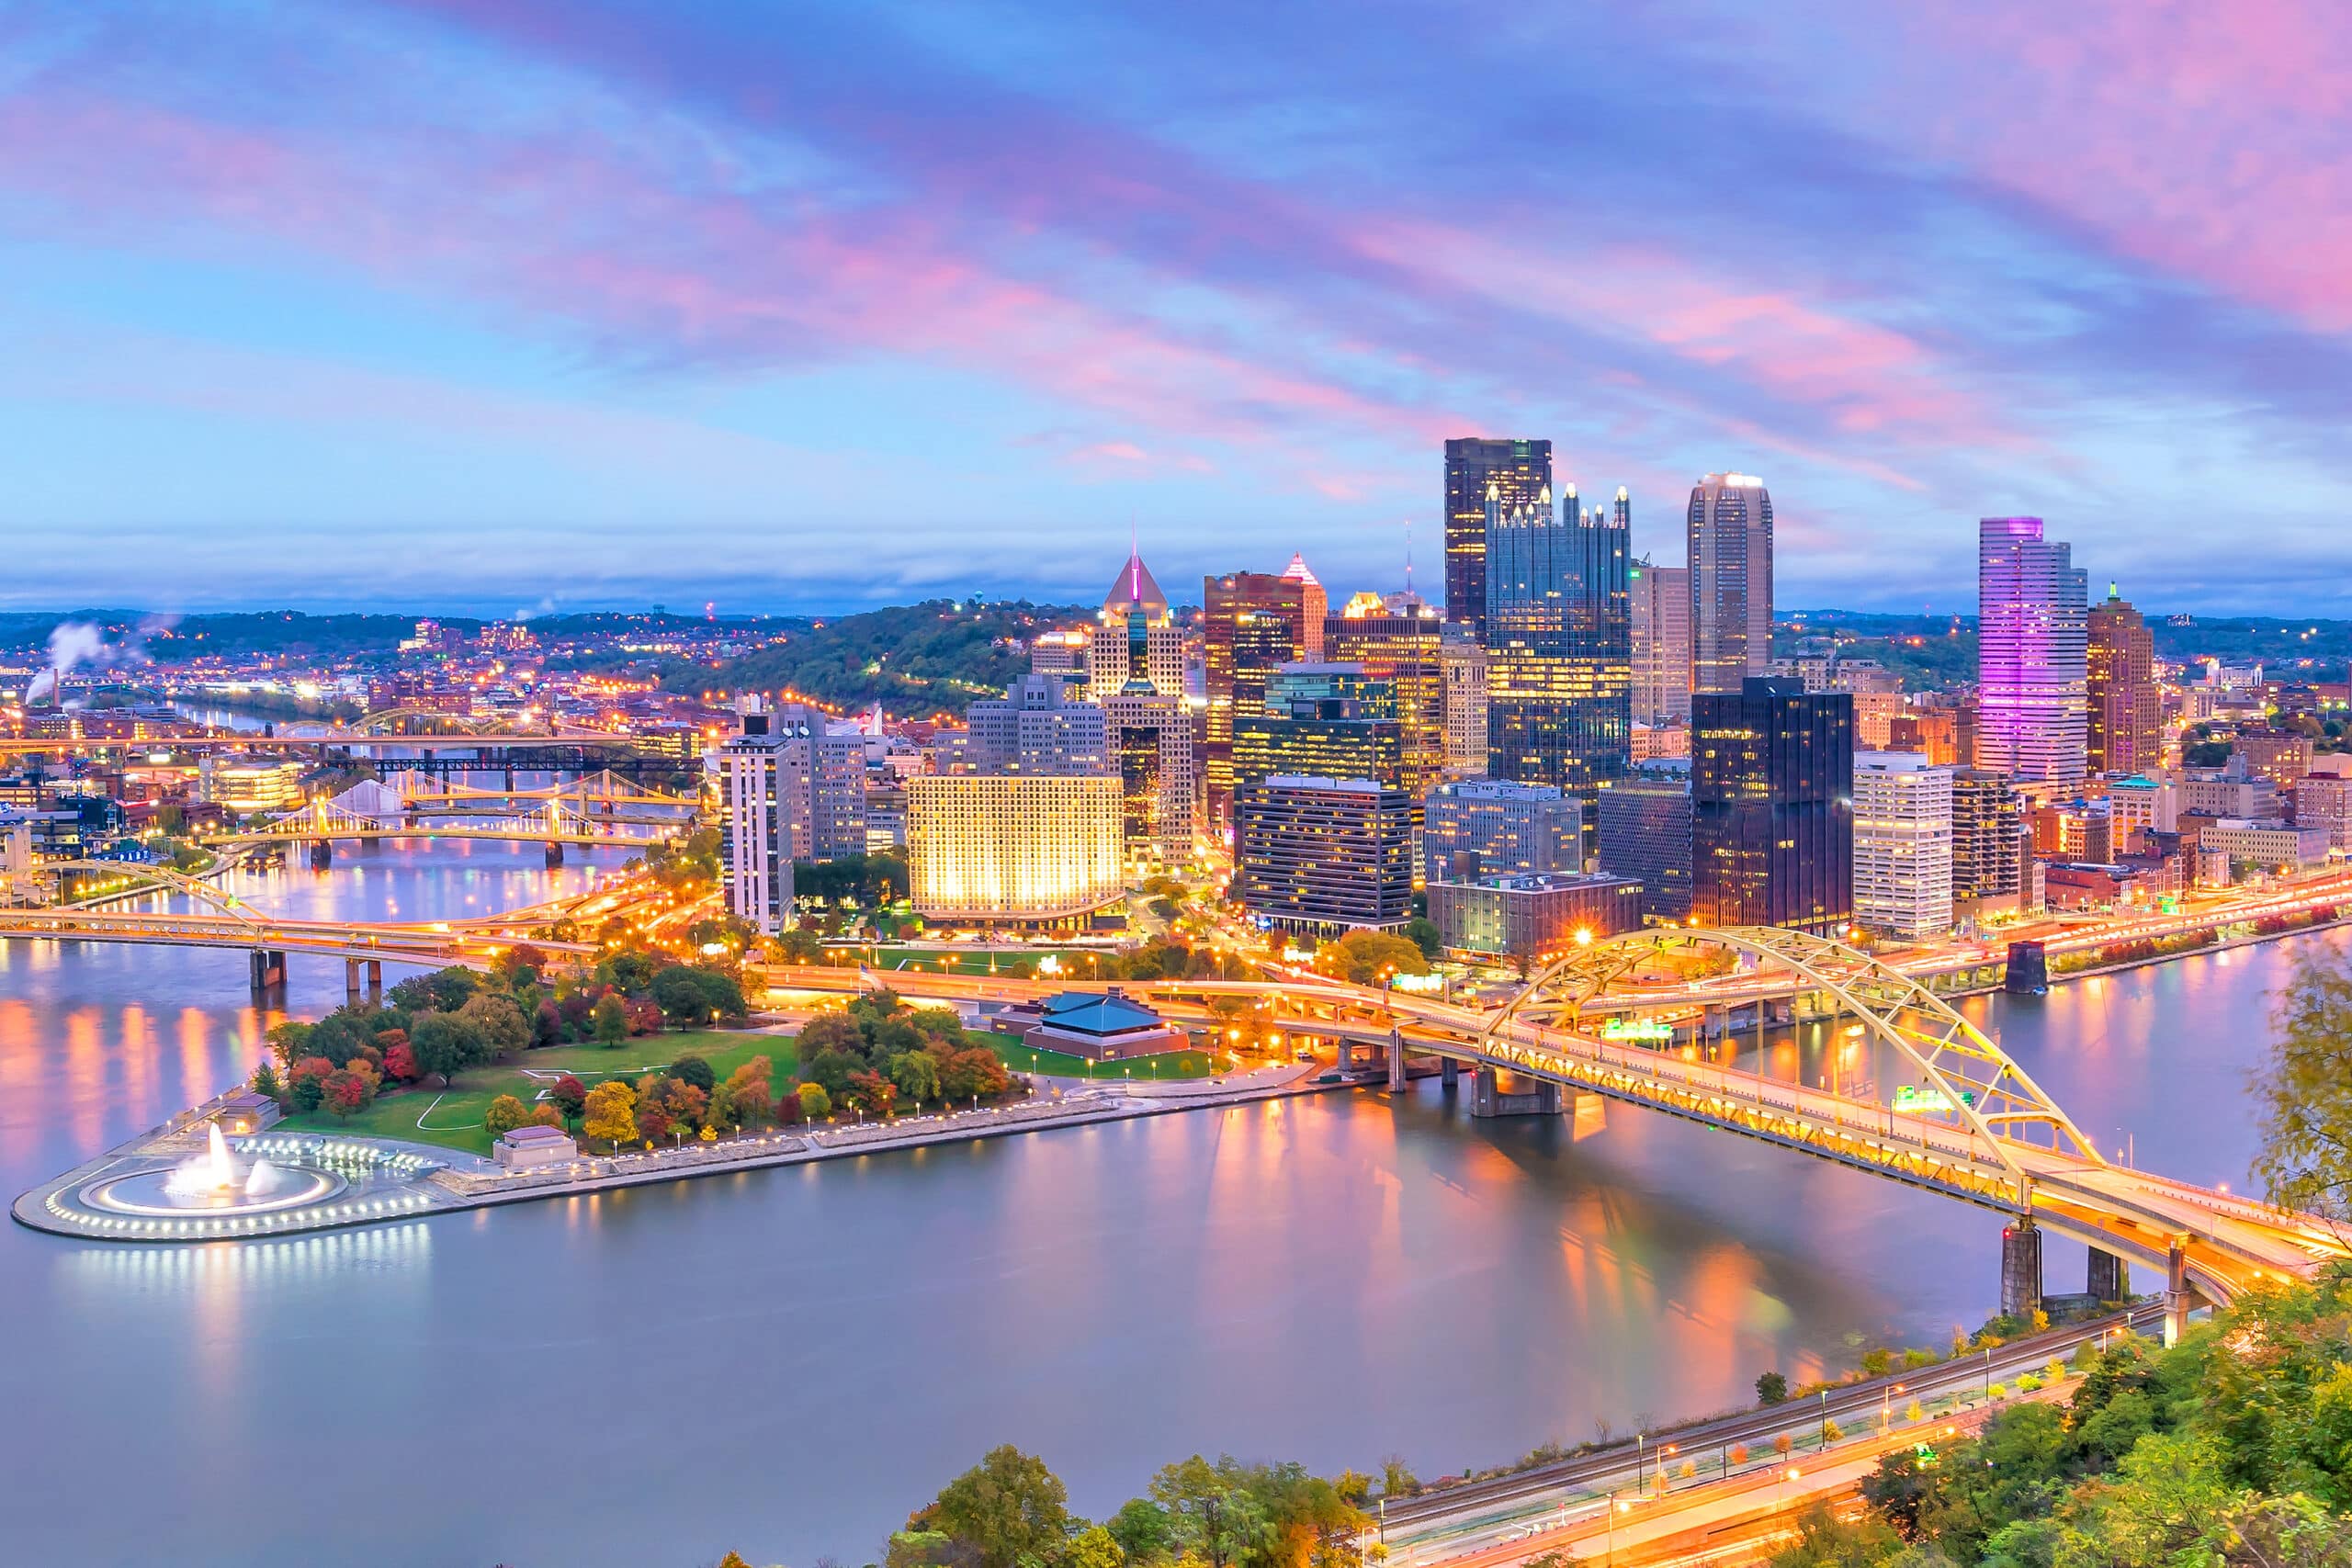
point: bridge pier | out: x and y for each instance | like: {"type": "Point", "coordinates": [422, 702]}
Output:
{"type": "Point", "coordinates": [1347, 1055]}
{"type": "Point", "coordinates": [2027, 972]}
{"type": "Point", "coordinates": [1396, 1061]}
{"type": "Point", "coordinates": [375, 979]}
{"type": "Point", "coordinates": [1449, 1073]}
{"type": "Point", "coordinates": [350, 981]}
{"type": "Point", "coordinates": [2020, 1270]}
{"type": "Point", "coordinates": [1488, 1098]}
{"type": "Point", "coordinates": [2178, 1298]}
{"type": "Point", "coordinates": [2110, 1277]}
{"type": "Point", "coordinates": [555, 854]}
{"type": "Point", "coordinates": [322, 854]}
{"type": "Point", "coordinates": [268, 973]}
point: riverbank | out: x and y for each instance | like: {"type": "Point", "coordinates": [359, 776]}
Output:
{"type": "Point", "coordinates": [431, 1179]}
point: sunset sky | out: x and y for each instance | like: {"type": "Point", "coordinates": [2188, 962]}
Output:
{"type": "Point", "coordinates": [482, 303]}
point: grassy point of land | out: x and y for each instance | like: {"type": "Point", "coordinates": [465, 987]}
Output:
{"type": "Point", "coordinates": [1168, 1065]}
{"type": "Point", "coordinates": [456, 1121]}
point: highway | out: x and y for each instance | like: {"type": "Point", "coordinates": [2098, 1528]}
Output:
{"type": "Point", "coordinates": [1514, 1513]}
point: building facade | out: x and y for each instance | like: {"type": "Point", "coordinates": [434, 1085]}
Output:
{"type": "Point", "coordinates": [1516, 470]}
{"type": "Point", "coordinates": [1039, 727]}
{"type": "Point", "coordinates": [1730, 528]}
{"type": "Point", "coordinates": [1772, 819]}
{"type": "Point", "coordinates": [1493, 828]}
{"type": "Point", "coordinates": [1251, 623]}
{"type": "Point", "coordinates": [1150, 740]}
{"type": "Point", "coordinates": [2033, 705]}
{"type": "Point", "coordinates": [1661, 634]}
{"type": "Point", "coordinates": [1534, 918]}
{"type": "Point", "coordinates": [1988, 858]}
{"type": "Point", "coordinates": [1559, 647]}
{"type": "Point", "coordinates": [1320, 854]}
{"type": "Point", "coordinates": [1463, 661]}
{"type": "Point", "coordinates": [789, 792]}
{"type": "Point", "coordinates": [1646, 827]}
{"type": "Point", "coordinates": [1902, 845]}
{"type": "Point", "coordinates": [1137, 646]}
{"type": "Point", "coordinates": [1014, 849]}
{"type": "Point", "coordinates": [2126, 708]}
{"type": "Point", "coordinates": [1403, 647]}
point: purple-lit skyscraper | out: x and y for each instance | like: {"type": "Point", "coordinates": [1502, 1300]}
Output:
{"type": "Point", "coordinates": [2033, 654]}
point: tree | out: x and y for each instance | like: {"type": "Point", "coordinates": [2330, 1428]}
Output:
{"type": "Point", "coordinates": [547, 1023]}
{"type": "Point", "coordinates": [289, 1042]}
{"type": "Point", "coordinates": [501, 1024]}
{"type": "Point", "coordinates": [444, 990]}
{"type": "Point", "coordinates": [835, 1068]}
{"type": "Point", "coordinates": [1212, 1514]}
{"type": "Point", "coordinates": [1423, 933]}
{"type": "Point", "coordinates": [1094, 1547]}
{"type": "Point", "coordinates": [1007, 1508]}
{"type": "Point", "coordinates": [917, 1075]}
{"type": "Point", "coordinates": [830, 1031]}
{"type": "Point", "coordinates": [1142, 1528]}
{"type": "Point", "coordinates": [505, 1113]}
{"type": "Point", "coordinates": [748, 1094]}
{"type": "Point", "coordinates": [306, 1084]}
{"type": "Point", "coordinates": [569, 1096]}
{"type": "Point", "coordinates": [695, 1070]}
{"type": "Point", "coordinates": [343, 1091]}
{"type": "Point", "coordinates": [399, 1059]}
{"type": "Point", "coordinates": [680, 995]}
{"type": "Point", "coordinates": [874, 1093]}
{"type": "Point", "coordinates": [446, 1045]}
{"type": "Point", "coordinates": [612, 1020]}
{"type": "Point", "coordinates": [1772, 1388]}
{"type": "Point", "coordinates": [611, 1113]}
{"type": "Point", "coordinates": [815, 1103]}
{"type": "Point", "coordinates": [264, 1080]}
{"type": "Point", "coordinates": [2302, 1093]}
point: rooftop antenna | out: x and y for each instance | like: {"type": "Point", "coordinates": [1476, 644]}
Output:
{"type": "Point", "coordinates": [1408, 559]}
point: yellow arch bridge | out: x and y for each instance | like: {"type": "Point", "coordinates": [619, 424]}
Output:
{"type": "Point", "coordinates": [1969, 1122]}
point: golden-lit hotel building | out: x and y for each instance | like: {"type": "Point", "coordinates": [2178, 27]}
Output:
{"type": "Point", "coordinates": [1032, 850]}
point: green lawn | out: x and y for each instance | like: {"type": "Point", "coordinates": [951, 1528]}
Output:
{"type": "Point", "coordinates": [1056, 1064]}
{"type": "Point", "coordinates": [889, 958]}
{"type": "Point", "coordinates": [456, 1121]}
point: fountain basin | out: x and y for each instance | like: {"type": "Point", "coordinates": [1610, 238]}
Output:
{"type": "Point", "coordinates": [152, 1193]}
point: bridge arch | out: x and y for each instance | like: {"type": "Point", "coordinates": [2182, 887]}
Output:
{"type": "Point", "coordinates": [1979, 1081]}
{"type": "Point", "coordinates": [159, 879]}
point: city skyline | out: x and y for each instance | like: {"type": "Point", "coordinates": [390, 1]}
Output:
{"type": "Point", "coordinates": [328, 306]}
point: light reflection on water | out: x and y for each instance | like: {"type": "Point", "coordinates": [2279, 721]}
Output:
{"type": "Point", "coordinates": [1331, 1280]}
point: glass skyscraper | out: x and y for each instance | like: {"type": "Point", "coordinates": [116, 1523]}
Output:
{"type": "Point", "coordinates": [1559, 639]}
{"type": "Point", "coordinates": [1772, 810]}
{"type": "Point", "coordinates": [1730, 581]}
{"type": "Point", "coordinates": [1517, 471]}
{"type": "Point", "coordinates": [2033, 654]}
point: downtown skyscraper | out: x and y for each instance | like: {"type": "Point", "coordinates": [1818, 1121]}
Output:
{"type": "Point", "coordinates": [1661, 597]}
{"type": "Point", "coordinates": [1516, 471]}
{"type": "Point", "coordinates": [1559, 641]}
{"type": "Point", "coordinates": [1730, 526]}
{"type": "Point", "coordinates": [2126, 708]}
{"type": "Point", "coordinates": [2032, 660]}
{"type": "Point", "coordinates": [1772, 806]}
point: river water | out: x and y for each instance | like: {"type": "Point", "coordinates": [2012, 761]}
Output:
{"type": "Point", "coordinates": [785, 1362]}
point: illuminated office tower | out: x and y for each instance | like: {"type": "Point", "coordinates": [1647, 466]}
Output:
{"type": "Point", "coordinates": [1730, 525]}
{"type": "Point", "coordinates": [1475, 827]}
{"type": "Point", "coordinates": [1559, 647]}
{"type": "Point", "coordinates": [1771, 804]}
{"type": "Point", "coordinates": [1517, 471]}
{"type": "Point", "coordinates": [1059, 653]}
{"type": "Point", "coordinates": [1661, 596]}
{"type": "Point", "coordinates": [2032, 656]}
{"type": "Point", "coordinates": [1646, 834]}
{"type": "Point", "coordinates": [1313, 605]}
{"type": "Point", "coordinates": [1036, 727]}
{"type": "Point", "coordinates": [1987, 841]}
{"type": "Point", "coordinates": [2126, 709]}
{"type": "Point", "coordinates": [1400, 642]}
{"type": "Point", "coordinates": [1151, 739]}
{"type": "Point", "coordinates": [789, 792]}
{"type": "Point", "coordinates": [1251, 622]}
{"type": "Point", "coordinates": [1322, 719]}
{"type": "Point", "coordinates": [1463, 662]}
{"type": "Point", "coordinates": [1137, 646]}
{"type": "Point", "coordinates": [1321, 855]}
{"type": "Point", "coordinates": [1902, 845]}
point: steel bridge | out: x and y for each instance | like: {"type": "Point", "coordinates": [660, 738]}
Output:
{"type": "Point", "coordinates": [554, 824]}
{"type": "Point", "coordinates": [1973, 1125]}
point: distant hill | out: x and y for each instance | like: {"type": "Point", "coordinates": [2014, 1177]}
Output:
{"type": "Point", "coordinates": [915, 659]}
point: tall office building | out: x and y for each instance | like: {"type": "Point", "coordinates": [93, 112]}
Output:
{"type": "Point", "coordinates": [2126, 717]}
{"type": "Point", "coordinates": [1037, 726]}
{"type": "Point", "coordinates": [1462, 661]}
{"type": "Point", "coordinates": [1517, 471]}
{"type": "Point", "coordinates": [1559, 646]}
{"type": "Point", "coordinates": [1313, 605]}
{"type": "Point", "coordinates": [1730, 526]}
{"type": "Point", "coordinates": [1988, 854]}
{"type": "Point", "coordinates": [1772, 816]}
{"type": "Point", "coordinates": [790, 792]}
{"type": "Point", "coordinates": [1323, 855]}
{"type": "Point", "coordinates": [1661, 600]}
{"type": "Point", "coordinates": [1024, 849]}
{"type": "Point", "coordinates": [1902, 845]}
{"type": "Point", "coordinates": [1493, 828]}
{"type": "Point", "coordinates": [1251, 622]}
{"type": "Point", "coordinates": [1646, 834]}
{"type": "Point", "coordinates": [1400, 644]}
{"type": "Point", "coordinates": [1323, 720]}
{"type": "Point", "coordinates": [1138, 647]}
{"type": "Point", "coordinates": [2032, 702]}
{"type": "Point", "coordinates": [1150, 741]}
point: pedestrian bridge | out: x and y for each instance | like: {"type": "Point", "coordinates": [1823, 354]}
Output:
{"type": "Point", "coordinates": [1968, 1122]}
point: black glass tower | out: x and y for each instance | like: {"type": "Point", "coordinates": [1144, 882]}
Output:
{"type": "Point", "coordinates": [1560, 648]}
{"type": "Point", "coordinates": [1772, 810]}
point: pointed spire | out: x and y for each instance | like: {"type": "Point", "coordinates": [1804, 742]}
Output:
{"type": "Point", "coordinates": [1494, 490]}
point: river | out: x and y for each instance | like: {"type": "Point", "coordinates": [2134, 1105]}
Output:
{"type": "Point", "coordinates": [786, 1361]}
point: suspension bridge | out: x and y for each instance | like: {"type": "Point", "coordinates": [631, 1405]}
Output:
{"type": "Point", "coordinates": [1965, 1122]}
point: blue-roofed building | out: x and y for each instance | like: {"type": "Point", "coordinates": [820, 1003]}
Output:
{"type": "Point", "coordinates": [1098, 1025]}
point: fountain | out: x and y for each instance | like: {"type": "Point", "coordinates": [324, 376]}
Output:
{"type": "Point", "coordinates": [215, 1181]}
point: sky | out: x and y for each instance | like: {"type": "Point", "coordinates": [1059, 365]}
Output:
{"type": "Point", "coordinates": [490, 305]}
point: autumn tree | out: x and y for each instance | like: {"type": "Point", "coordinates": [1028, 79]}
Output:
{"type": "Point", "coordinates": [500, 1023]}
{"type": "Point", "coordinates": [1007, 1509]}
{"type": "Point", "coordinates": [569, 1096]}
{"type": "Point", "coordinates": [2302, 1093]}
{"type": "Point", "coordinates": [445, 1045]}
{"type": "Point", "coordinates": [343, 1091]}
{"type": "Point", "coordinates": [610, 1112]}
{"type": "Point", "coordinates": [611, 1019]}
{"type": "Point", "coordinates": [505, 1113]}
{"type": "Point", "coordinates": [815, 1103]}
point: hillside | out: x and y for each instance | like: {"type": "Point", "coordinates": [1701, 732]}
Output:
{"type": "Point", "coordinates": [916, 659]}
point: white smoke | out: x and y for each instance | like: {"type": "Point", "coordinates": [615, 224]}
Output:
{"type": "Point", "coordinates": [74, 644]}
{"type": "Point", "coordinates": [531, 611]}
